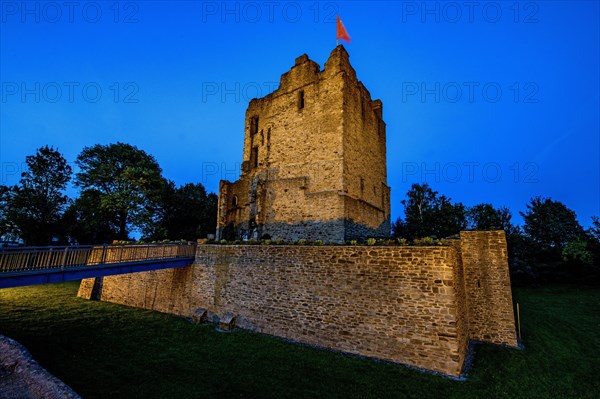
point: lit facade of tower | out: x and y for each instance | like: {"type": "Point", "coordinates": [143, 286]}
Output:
{"type": "Point", "coordinates": [314, 161]}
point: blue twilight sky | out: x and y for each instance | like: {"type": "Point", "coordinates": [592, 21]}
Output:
{"type": "Point", "coordinates": [486, 101]}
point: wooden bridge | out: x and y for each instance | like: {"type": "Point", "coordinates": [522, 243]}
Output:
{"type": "Point", "coordinates": [41, 265]}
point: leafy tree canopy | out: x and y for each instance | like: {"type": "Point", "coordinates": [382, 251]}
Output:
{"type": "Point", "coordinates": [550, 224]}
{"type": "Point", "coordinates": [429, 214]}
{"type": "Point", "coordinates": [86, 222]}
{"type": "Point", "coordinates": [486, 217]}
{"type": "Point", "coordinates": [34, 207]}
{"type": "Point", "coordinates": [594, 230]}
{"type": "Point", "coordinates": [127, 179]}
{"type": "Point", "coordinates": [577, 252]}
{"type": "Point", "coordinates": [187, 212]}
{"type": "Point", "coordinates": [8, 231]}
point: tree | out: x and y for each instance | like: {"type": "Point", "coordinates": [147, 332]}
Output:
{"type": "Point", "coordinates": [400, 228]}
{"type": "Point", "coordinates": [521, 259]}
{"type": "Point", "coordinates": [427, 214]}
{"type": "Point", "coordinates": [418, 205]}
{"type": "Point", "coordinates": [486, 217]}
{"type": "Point", "coordinates": [187, 212]}
{"type": "Point", "coordinates": [594, 230]}
{"type": "Point", "coordinates": [196, 212]}
{"type": "Point", "coordinates": [129, 181]}
{"type": "Point", "coordinates": [593, 234]}
{"type": "Point", "coordinates": [8, 230]}
{"type": "Point", "coordinates": [35, 206]}
{"type": "Point", "coordinates": [451, 218]}
{"type": "Point", "coordinates": [87, 222]}
{"type": "Point", "coordinates": [550, 225]}
{"type": "Point", "coordinates": [577, 252]}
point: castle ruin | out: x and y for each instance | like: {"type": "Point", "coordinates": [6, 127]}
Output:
{"type": "Point", "coordinates": [314, 160]}
{"type": "Point", "coordinates": [314, 168]}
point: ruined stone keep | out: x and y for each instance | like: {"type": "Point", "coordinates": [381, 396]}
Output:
{"type": "Point", "coordinates": [315, 168]}
{"type": "Point", "coordinates": [314, 160]}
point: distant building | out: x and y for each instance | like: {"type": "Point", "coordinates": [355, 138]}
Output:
{"type": "Point", "coordinates": [314, 162]}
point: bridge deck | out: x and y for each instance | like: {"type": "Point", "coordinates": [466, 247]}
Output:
{"type": "Point", "coordinates": [41, 265]}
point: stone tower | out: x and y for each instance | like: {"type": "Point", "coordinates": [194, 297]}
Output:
{"type": "Point", "coordinates": [314, 162]}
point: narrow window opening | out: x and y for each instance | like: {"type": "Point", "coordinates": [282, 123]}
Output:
{"type": "Point", "coordinates": [254, 125]}
{"type": "Point", "coordinates": [234, 201]}
{"type": "Point", "coordinates": [362, 109]}
{"type": "Point", "coordinates": [254, 157]}
{"type": "Point", "coordinates": [301, 99]}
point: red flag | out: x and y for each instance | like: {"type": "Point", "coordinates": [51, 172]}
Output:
{"type": "Point", "coordinates": [341, 31]}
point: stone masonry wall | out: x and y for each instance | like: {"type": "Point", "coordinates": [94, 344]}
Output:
{"type": "Point", "coordinates": [91, 288]}
{"type": "Point", "coordinates": [393, 303]}
{"type": "Point", "coordinates": [411, 305]}
{"type": "Point", "coordinates": [487, 284]}
{"type": "Point", "coordinates": [314, 151]}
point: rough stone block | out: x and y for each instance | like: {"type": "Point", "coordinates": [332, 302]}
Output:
{"type": "Point", "coordinates": [227, 322]}
{"type": "Point", "coordinates": [200, 315]}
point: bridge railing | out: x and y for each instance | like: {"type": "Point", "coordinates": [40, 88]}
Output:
{"type": "Point", "coordinates": [43, 258]}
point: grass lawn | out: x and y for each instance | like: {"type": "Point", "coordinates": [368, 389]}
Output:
{"type": "Point", "coordinates": [105, 350]}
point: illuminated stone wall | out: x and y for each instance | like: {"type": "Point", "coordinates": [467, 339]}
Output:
{"type": "Point", "coordinates": [412, 305]}
{"type": "Point", "coordinates": [314, 160]}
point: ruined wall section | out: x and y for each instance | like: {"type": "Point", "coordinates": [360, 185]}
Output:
{"type": "Point", "coordinates": [462, 326]}
{"type": "Point", "coordinates": [487, 286]}
{"type": "Point", "coordinates": [412, 305]}
{"type": "Point", "coordinates": [365, 176]}
{"type": "Point", "coordinates": [233, 207]}
{"type": "Point", "coordinates": [392, 303]}
{"type": "Point", "coordinates": [294, 161]}
{"type": "Point", "coordinates": [305, 117]}
{"type": "Point", "coordinates": [303, 162]}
